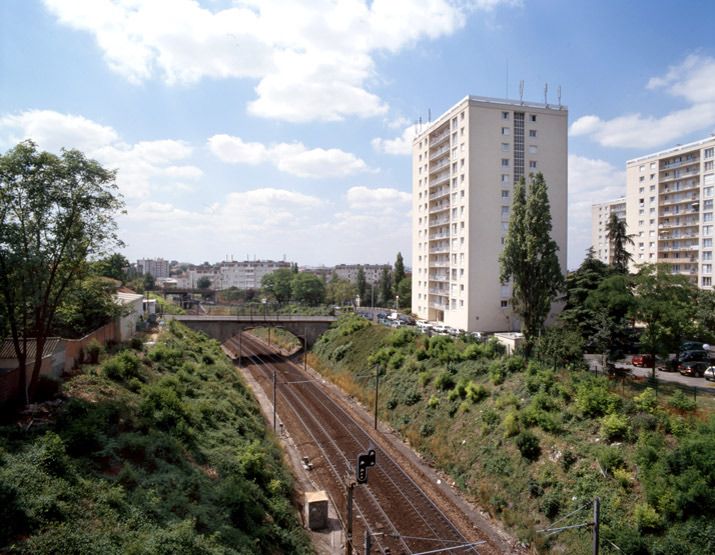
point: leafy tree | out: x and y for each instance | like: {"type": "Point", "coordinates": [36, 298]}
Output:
{"type": "Point", "coordinates": [278, 284]}
{"type": "Point", "coordinates": [705, 315]}
{"type": "Point", "coordinates": [616, 231]}
{"type": "Point", "coordinates": [340, 292]}
{"type": "Point", "coordinates": [361, 285]}
{"type": "Point", "coordinates": [398, 272]}
{"type": "Point", "coordinates": [149, 282]}
{"type": "Point", "coordinates": [308, 289]}
{"type": "Point", "coordinates": [86, 306]}
{"type": "Point", "coordinates": [55, 213]}
{"type": "Point", "coordinates": [611, 305]}
{"type": "Point", "coordinates": [664, 303]}
{"type": "Point", "coordinates": [404, 290]}
{"type": "Point", "coordinates": [529, 257]}
{"type": "Point", "coordinates": [385, 287]}
{"type": "Point", "coordinates": [204, 282]}
{"type": "Point", "coordinates": [114, 266]}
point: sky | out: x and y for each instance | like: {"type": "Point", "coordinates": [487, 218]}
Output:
{"type": "Point", "coordinates": [281, 129]}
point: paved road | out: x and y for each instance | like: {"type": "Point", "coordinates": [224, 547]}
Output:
{"type": "Point", "coordinates": [595, 364]}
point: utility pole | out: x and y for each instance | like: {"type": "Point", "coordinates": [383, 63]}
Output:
{"type": "Point", "coordinates": [240, 334]}
{"type": "Point", "coordinates": [305, 348]}
{"type": "Point", "coordinates": [274, 400]}
{"type": "Point", "coordinates": [596, 525]}
{"type": "Point", "coordinates": [349, 535]}
{"type": "Point", "coordinates": [377, 390]}
{"type": "Point", "coordinates": [368, 542]}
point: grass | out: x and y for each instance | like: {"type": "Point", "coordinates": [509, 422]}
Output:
{"type": "Point", "coordinates": [162, 451]}
{"type": "Point", "coordinates": [531, 444]}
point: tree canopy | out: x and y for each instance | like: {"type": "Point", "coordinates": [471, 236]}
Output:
{"type": "Point", "coordinates": [56, 212]}
{"type": "Point", "coordinates": [616, 231]}
{"type": "Point", "coordinates": [529, 257]}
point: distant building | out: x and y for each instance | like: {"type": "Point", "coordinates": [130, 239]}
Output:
{"type": "Point", "coordinates": [600, 215]}
{"type": "Point", "coordinates": [350, 271]}
{"type": "Point", "coordinates": [155, 267]}
{"type": "Point", "coordinates": [247, 274]}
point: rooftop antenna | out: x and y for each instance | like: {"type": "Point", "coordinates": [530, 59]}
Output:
{"type": "Point", "coordinates": [429, 115]}
{"type": "Point", "coordinates": [558, 95]}
{"type": "Point", "coordinates": [521, 91]}
{"type": "Point", "coordinates": [546, 92]}
{"type": "Point", "coordinates": [420, 127]}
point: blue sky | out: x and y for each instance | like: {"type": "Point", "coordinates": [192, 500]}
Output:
{"type": "Point", "coordinates": [274, 128]}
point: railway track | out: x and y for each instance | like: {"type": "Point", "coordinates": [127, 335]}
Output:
{"type": "Point", "coordinates": [392, 507]}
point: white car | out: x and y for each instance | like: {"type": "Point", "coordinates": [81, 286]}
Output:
{"type": "Point", "coordinates": [710, 373]}
{"type": "Point", "coordinates": [439, 328]}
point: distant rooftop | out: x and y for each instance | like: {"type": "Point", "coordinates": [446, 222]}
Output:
{"type": "Point", "coordinates": [673, 150]}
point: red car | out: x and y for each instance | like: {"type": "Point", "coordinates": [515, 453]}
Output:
{"type": "Point", "coordinates": [644, 361]}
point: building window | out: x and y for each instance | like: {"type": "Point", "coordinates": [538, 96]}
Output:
{"type": "Point", "coordinates": [505, 131]}
{"type": "Point", "coordinates": [505, 147]}
{"type": "Point", "coordinates": [640, 190]}
{"type": "Point", "coordinates": [504, 304]}
{"type": "Point", "coordinates": [707, 243]}
{"type": "Point", "coordinates": [708, 217]}
{"type": "Point", "coordinates": [708, 166]}
{"type": "Point", "coordinates": [504, 178]}
{"type": "Point", "coordinates": [532, 164]}
{"type": "Point", "coordinates": [532, 132]}
{"type": "Point", "coordinates": [504, 211]}
{"type": "Point", "coordinates": [505, 115]}
{"type": "Point", "coordinates": [707, 281]}
{"type": "Point", "coordinates": [708, 152]}
{"type": "Point", "coordinates": [532, 149]}
{"type": "Point", "coordinates": [708, 191]}
{"type": "Point", "coordinates": [533, 117]}
{"type": "Point", "coordinates": [707, 255]}
{"type": "Point", "coordinates": [505, 194]}
{"type": "Point", "coordinates": [505, 162]}
{"type": "Point", "coordinates": [707, 268]}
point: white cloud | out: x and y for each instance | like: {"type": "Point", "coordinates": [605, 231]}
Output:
{"type": "Point", "coordinates": [398, 145]}
{"type": "Point", "coordinates": [379, 199]}
{"type": "Point", "coordinates": [292, 158]}
{"type": "Point", "coordinates": [141, 165]}
{"type": "Point", "coordinates": [590, 182]}
{"type": "Point", "coordinates": [313, 59]}
{"type": "Point", "coordinates": [693, 81]}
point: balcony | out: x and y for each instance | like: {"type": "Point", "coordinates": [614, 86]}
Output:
{"type": "Point", "coordinates": [439, 291]}
{"type": "Point", "coordinates": [435, 154]}
{"type": "Point", "coordinates": [670, 165]}
{"type": "Point", "coordinates": [681, 174]}
{"type": "Point", "coordinates": [436, 167]}
{"type": "Point", "coordinates": [691, 223]}
{"type": "Point", "coordinates": [439, 264]}
{"type": "Point", "coordinates": [439, 306]}
{"type": "Point", "coordinates": [680, 200]}
{"type": "Point", "coordinates": [443, 192]}
{"type": "Point", "coordinates": [441, 249]}
{"type": "Point", "coordinates": [438, 222]}
{"type": "Point", "coordinates": [439, 179]}
{"type": "Point", "coordinates": [439, 277]}
{"type": "Point", "coordinates": [439, 208]}
{"type": "Point", "coordinates": [434, 140]}
{"type": "Point", "coordinates": [437, 236]}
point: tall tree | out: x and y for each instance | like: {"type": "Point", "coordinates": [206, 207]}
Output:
{"type": "Point", "coordinates": [385, 287]}
{"type": "Point", "coordinates": [308, 289]}
{"type": "Point", "coordinates": [529, 258]}
{"type": "Point", "coordinates": [398, 272]}
{"type": "Point", "coordinates": [204, 282]}
{"type": "Point", "coordinates": [618, 238]}
{"type": "Point", "coordinates": [664, 302]}
{"type": "Point", "coordinates": [340, 292]}
{"type": "Point", "coordinates": [278, 284]}
{"type": "Point", "coordinates": [362, 285]}
{"type": "Point", "coordinates": [404, 290]}
{"type": "Point", "coordinates": [114, 266]}
{"type": "Point", "coordinates": [55, 213]}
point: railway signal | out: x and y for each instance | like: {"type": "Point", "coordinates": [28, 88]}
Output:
{"type": "Point", "coordinates": [364, 461]}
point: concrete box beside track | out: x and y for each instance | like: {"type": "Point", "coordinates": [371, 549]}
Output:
{"type": "Point", "coordinates": [316, 509]}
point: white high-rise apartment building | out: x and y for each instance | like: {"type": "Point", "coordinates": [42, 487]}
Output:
{"type": "Point", "coordinates": [157, 267]}
{"type": "Point", "coordinates": [669, 209]}
{"type": "Point", "coordinates": [464, 166]}
{"type": "Point", "coordinates": [600, 215]}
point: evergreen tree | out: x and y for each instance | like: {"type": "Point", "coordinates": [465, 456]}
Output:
{"type": "Point", "coordinates": [529, 258]}
{"type": "Point", "coordinates": [398, 272]}
{"type": "Point", "coordinates": [362, 285]}
{"type": "Point", "coordinates": [385, 287]}
{"type": "Point", "coordinates": [616, 231]}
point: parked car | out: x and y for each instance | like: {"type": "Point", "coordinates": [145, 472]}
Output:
{"type": "Point", "coordinates": [694, 369]}
{"type": "Point", "coordinates": [691, 346]}
{"type": "Point", "coordinates": [439, 328]}
{"type": "Point", "coordinates": [644, 361]}
{"type": "Point", "coordinates": [710, 373]}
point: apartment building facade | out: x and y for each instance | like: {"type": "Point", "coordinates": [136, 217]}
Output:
{"type": "Point", "coordinates": [669, 209]}
{"type": "Point", "coordinates": [600, 216]}
{"type": "Point", "coordinates": [157, 267]}
{"type": "Point", "coordinates": [372, 271]}
{"type": "Point", "coordinates": [464, 167]}
{"type": "Point", "coordinates": [246, 274]}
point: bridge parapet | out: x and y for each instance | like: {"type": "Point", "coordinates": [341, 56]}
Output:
{"type": "Point", "coordinates": [306, 328]}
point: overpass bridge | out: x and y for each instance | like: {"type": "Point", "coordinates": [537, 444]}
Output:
{"type": "Point", "coordinates": [306, 328]}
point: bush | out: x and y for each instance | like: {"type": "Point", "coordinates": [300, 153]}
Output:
{"type": "Point", "coordinates": [136, 344]}
{"type": "Point", "coordinates": [476, 392]}
{"type": "Point", "coordinates": [647, 401]}
{"type": "Point", "coordinates": [528, 445]}
{"type": "Point", "coordinates": [433, 402]}
{"type": "Point", "coordinates": [646, 517]}
{"type": "Point", "coordinates": [551, 505]}
{"type": "Point", "coordinates": [93, 349]}
{"type": "Point", "coordinates": [610, 458]}
{"type": "Point", "coordinates": [122, 367]}
{"type": "Point", "coordinates": [444, 380]}
{"type": "Point", "coordinates": [511, 424]}
{"type": "Point", "coordinates": [614, 426]}
{"type": "Point", "coordinates": [682, 402]}
{"type": "Point", "coordinates": [593, 397]}
{"type": "Point", "coordinates": [442, 348]}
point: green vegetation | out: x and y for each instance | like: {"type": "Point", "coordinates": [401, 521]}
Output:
{"type": "Point", "coordinates": [151, 452]}
{"type": "Point", "coordinates": [532, 441]}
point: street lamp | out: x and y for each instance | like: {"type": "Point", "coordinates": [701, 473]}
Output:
{"type": "Point", "coordinates": [397, 302]}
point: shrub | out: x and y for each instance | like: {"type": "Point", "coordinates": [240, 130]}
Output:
{"type": "Point", "coordinates": [122, 367]}
{"type": "Point", "coordinates": [427, 429]}
{"type": "Point", "coordinates": [647, 401]}
{"type": "Point", "coordinates": [511, 424]}
{"type": "Point", "coordinates": [433, 402]}
{"type": "Point", "coordinates": [93, 349]}
{"type": "Point", "coordinates": [568, 458]}
{"type": "Point", "coordinates": [593, 397]}
{"type": "Point", "coordinates": [492, 348]}
{"type": "Point", "coordinates": [682, 402]}
{"type": "Point", "coordinates": [496, 372]}
{"type": "Point", "coordinates": [610, 458]}
{"type": "Point", "coordinates": [476, 392]}
{"type": "Point", "coordinates": [623, 477]}
{"type": "Point", "coordinates": [442, 348]}
{"type": "Point", "coordinates": [550, 505]}
{"type": "Point", "coordinates": [528, 445]}
{"type": "Point", "coordinates": [444, 380]}
{"type": "Point", "coordinates": [136, 344]}
{"type": "Point", "coordinates": [559, 347]}
{"type": "Point", "coordinates": [402, 337]}
{"type": "Point", "coordinates": [614, 426]}
{"type": "Point", "coordinates": [340, 351]}
{"type": "Point", "coordinates": [646, 517]}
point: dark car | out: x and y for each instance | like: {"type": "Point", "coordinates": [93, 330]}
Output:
{"type": "Point", "coordinates": [691, 346]}
{"type": "Point", "coordinates": [644, 361]}
{"type": "Point", "coordinates": [697, 355]}
{"type": "Point", "coordinates": [695, 369]}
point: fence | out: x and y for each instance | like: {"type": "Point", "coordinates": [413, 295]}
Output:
{"type": "Point", "coordinates": [75, 348]}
